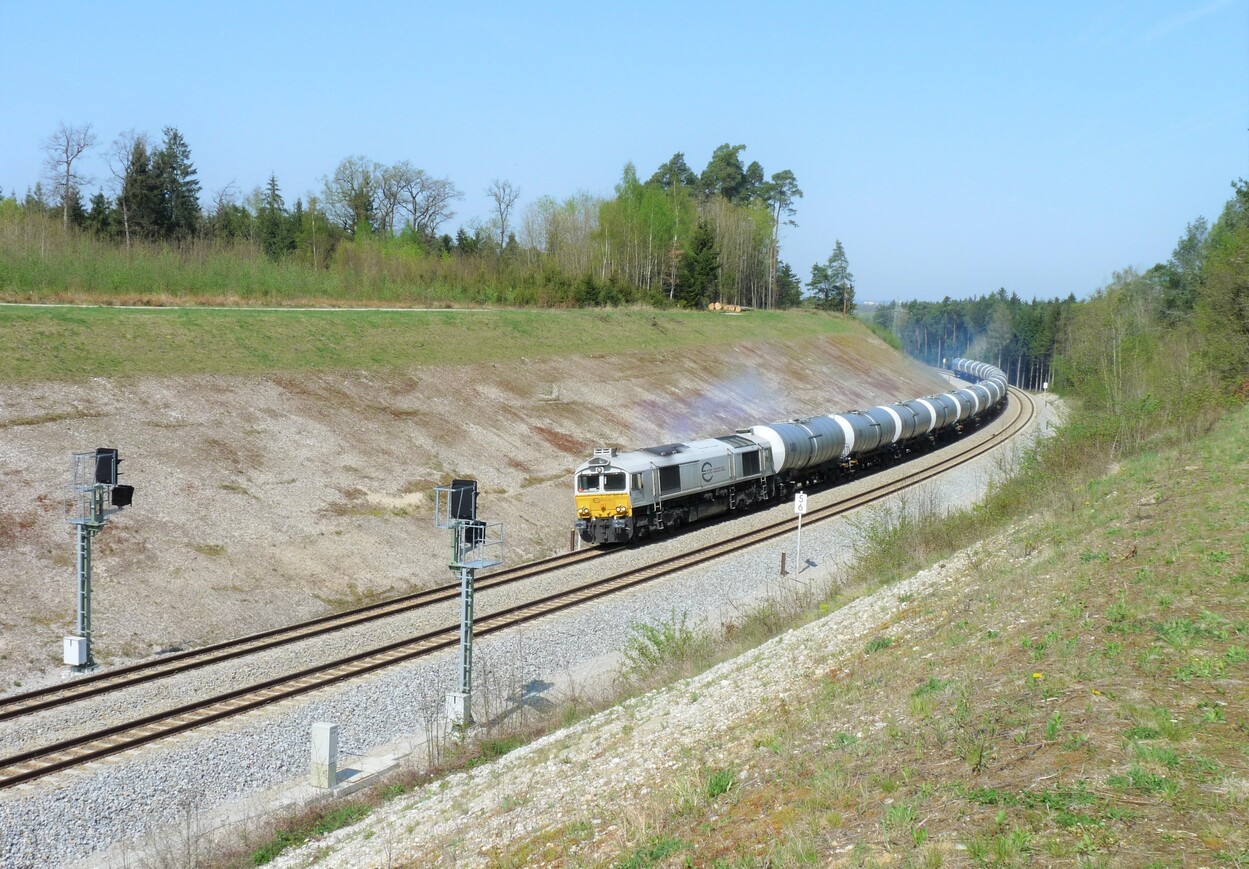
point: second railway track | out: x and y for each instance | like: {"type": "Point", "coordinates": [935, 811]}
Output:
{"type": "Point", "coordinates": [24, 703]}
{"type": "Point", "coordinates": [66, 754]}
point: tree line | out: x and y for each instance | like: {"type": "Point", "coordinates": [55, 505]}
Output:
{"type": "Point", "coordinates": [680, 237]}
{"type": "Point", "coordinates": [1166, 347]}
{"type": "Point", "coordinates": [1019, 337]}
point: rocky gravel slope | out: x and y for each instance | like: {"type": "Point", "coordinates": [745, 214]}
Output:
{"type": "Point", "coordinates": [265, 500]}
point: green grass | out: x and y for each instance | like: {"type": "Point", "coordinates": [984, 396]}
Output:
{"type": "Point", "coordinates": [660, 652]}
{"type": "Point", "coordinates": [73, 343]}
{"type": "Point", "coordinates": [652, 853]}
{"type": "Point", "coordinates": [719, 783]}
{"type": "Point", "coordinates": [1090, 712]}
{"type": "Point", "coordinates": [316, 824]}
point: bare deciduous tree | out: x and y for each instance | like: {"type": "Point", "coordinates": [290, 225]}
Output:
{"type": "Point", "coordinates": [504, 194]}
{"type": "Point", "coordinates": [428, 199]}
{"type": "Point", "coordinates": [118, 159]}
{"type": "Point", "coordinates": [63, 148]}
{"type": "Point", "coordinates": [351, 193]}
{"type": "Point", "coordinates": [389, 193]}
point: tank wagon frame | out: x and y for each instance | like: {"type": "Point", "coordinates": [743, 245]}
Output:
{"type": "Point", "coordinates": [622, 496]}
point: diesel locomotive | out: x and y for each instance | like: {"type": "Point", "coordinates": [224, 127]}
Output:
{"type": "Point", "coordinates": [622, 496]}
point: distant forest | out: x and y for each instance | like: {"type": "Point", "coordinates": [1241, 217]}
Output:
{"type": "Point", "coordinates": [378, 232]}
{"type": "Point", "coordinates": [1019, 337]}
{"type": "Point", "coordinates": [1197, 302]}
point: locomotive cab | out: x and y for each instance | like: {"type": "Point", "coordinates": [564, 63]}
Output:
{"type": "Point", "coordinates": [602, 493]}
{"type": "Point", "coordinates": [604, 509]}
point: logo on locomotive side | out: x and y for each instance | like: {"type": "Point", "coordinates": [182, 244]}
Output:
{"type": "Point", "coordinates": [710, 470]}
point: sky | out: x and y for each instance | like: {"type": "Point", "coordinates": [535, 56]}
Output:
{"type": "Point", "coordinates": [953, 148]}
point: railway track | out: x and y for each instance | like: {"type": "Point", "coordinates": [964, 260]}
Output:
{"type": "Point", "coordinates": [70, 753]}
{"type": "Point", "coordinates": [16, 705]}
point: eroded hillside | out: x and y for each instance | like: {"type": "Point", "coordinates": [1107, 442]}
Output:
{"type": "Point", "coordinates": [265, 499]}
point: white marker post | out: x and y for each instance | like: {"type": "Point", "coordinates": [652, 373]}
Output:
{"type": "Point", "coordinates": [800, 507]}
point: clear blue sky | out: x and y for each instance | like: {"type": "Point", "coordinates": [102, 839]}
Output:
{"type": "Point", "coordinates": [954, 148]}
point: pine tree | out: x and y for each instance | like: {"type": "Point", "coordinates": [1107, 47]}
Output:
{"type": "Point", "coordinates": [698, 274]}
{"type": "Point", "coordinates": [100, 218]}
{"type": "Point", "coordinates": [832, 284]}
{"type": "Point", "coordinates": [72, 208]}
{"type": "Point", "coordinates": [276, 235]}
{"type": "Point", "coordinates": [842, 279]}
{"type": "Point", "coordinates": [675, 173]}
{"type": "Point", "coordinates": [179, 188]}
{"type": "Point", "coordinates": [724, 175]}
{"type": "Point", "coordinates": [788, 287]}
{"type": "Point", "coordinates": [139, 203]}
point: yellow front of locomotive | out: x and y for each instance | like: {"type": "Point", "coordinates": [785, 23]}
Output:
{"type": "Point", "coordinates": [602, 494]}
{"type": "Point", "coordinates": [604, 510]}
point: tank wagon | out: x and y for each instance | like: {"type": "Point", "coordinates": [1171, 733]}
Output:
{"type": "Point", "coordinates": [622, 496]}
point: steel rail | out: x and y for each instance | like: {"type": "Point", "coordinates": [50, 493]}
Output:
{"type": "Point", "coordinates": [76, 751]}
{"type": "Point", "coordinates": [26, 702]}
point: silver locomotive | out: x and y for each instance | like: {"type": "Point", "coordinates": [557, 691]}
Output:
{"type": "Point", "coordinates": [621, 496]}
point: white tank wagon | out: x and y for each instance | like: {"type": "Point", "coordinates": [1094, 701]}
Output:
{"type": "Point", "coordinates": [622, 496]}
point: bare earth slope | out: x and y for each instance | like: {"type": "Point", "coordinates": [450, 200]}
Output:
{"type": "Point", "coordinates": [263, 500]}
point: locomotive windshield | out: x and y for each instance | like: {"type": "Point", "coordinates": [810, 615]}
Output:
{"type": "Point", "coordinates": [596, 482]}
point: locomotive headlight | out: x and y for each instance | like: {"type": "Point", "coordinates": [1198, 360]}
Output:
{"type": "Point", "coordinates": [584, 512]}
{"type": "Point", "coordinates": [620, 508]}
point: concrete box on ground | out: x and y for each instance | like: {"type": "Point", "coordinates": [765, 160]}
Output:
{"type": "Point", "coordinates": [324, 773]}
{"type": "Point", "coordinates": [75, 651]}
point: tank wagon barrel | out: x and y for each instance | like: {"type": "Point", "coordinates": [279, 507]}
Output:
{"type": "Point", "coordinates": [623, 496]}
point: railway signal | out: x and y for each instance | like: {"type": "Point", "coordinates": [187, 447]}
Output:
{"type": "Point", "coordinates": [475, 545]}
{"type": "Point", "coordinates": [94, 483]}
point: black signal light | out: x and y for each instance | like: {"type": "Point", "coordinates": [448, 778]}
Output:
{"type": "Point", "coordinates": [106, 463]}
{"type": "Point", "coordinates": [464, 499]}
{"type": "Point", "coordinates": [122, 496]}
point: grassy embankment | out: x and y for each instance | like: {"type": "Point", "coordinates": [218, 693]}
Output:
{"type": "Point", "coordinates": [1079, 698]}
{"type": "Point", "coordinates": [70, 343]}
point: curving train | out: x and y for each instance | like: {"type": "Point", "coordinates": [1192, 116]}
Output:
{"type": "Point", "coordinates": [626, 496]}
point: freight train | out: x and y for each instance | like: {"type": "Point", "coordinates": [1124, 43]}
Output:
{"type": "Point", "coordinates": [623, 496]}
